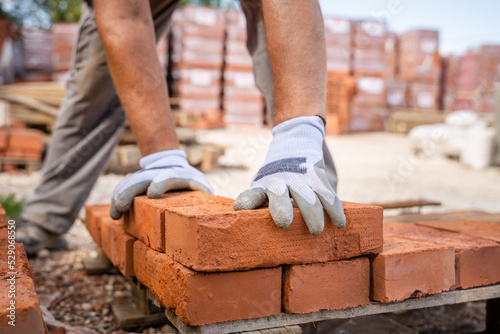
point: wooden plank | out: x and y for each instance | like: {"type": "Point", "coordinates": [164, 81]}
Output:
{"type": "Point", "coordinates": [98, 265]}
{"type": "Point", "coordinates": [407, 204]}
{"type": "Point", "coordinates": [128, 315]}
{"type": "Point", "coordinates": [455, 215]}
{"type": "Point", "coordinates": [283, 319]}
{"type": "Point", "coordinates": [32, 103]}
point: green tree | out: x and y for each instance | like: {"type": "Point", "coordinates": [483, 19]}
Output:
{"type": "Point", "coordinates": [62, 10]}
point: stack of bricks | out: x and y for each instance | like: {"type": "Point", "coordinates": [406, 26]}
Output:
{"type": "Point", "coordinates": [197, 37]}
{"type": "Point", "coordinates": [479, 69]}
{"type": "Point", "coordinates": [196, 255]}
{"type": "Point", "coordinates": [420, 67]}
{"type": "Point", "coordinates": [19, 144]}
{"type": "Point", "coordinates": [19, 305]}
{"type": "Point", "coordinates": [451, 72]}
{"type": "Point", "coordinates": [38, 47]}
{"type": "Point", "coordinates": [242, 101]}
{"type": "Point", "coordinates": [65, 35]}
{"type": "Point", "coordinates": [368, 107]}
{"type": "Point", "coordinates": [339, 86]}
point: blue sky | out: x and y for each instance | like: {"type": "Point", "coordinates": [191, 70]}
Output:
{"type": "Point", "coordinates": [462, 24]}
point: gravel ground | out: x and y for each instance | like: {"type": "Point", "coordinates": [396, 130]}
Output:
{"type": "Point", "coordinates": [373, 168]}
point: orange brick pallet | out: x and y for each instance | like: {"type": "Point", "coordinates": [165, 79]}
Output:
{"type": "Point", "coordinates": [220, 271]}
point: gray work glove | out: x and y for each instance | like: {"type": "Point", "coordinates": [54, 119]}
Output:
{"type": "Point", "coordinates": [161, 172]}
{"type": "Point", "coordinates": [294, 167]}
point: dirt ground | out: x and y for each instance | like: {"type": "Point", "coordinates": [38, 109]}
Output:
{"type": "Point", "coordinates": [372, 168]}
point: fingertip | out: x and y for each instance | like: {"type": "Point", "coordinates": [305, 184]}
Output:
{"type": "Point", "coordinates": [114, 213]}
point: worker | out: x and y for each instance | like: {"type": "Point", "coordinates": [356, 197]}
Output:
{"type": "Point", "coordinates": [117, 73]}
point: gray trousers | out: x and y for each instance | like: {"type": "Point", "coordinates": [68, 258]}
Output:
{"type": "Point", "coordinates": [91, 119]}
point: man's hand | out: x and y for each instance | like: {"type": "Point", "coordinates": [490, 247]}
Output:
{"type": "Point", "coordinates": [161, 172]}
{"type": "Point", "coordinates": [294, 167]}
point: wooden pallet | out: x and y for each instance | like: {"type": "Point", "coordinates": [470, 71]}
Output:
{"type": "Point", "coordinates": [489, 293]}
{"type": "Point", "coordinates": [402, 121]}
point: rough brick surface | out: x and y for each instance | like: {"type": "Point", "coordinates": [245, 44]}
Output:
{"type": "Point", "coordinates": [146, 221]}
{"type": "Point", "coordinates": [326, 286]}
{"type": "Point", "coordinates": [411, 268]}
{"type": "Point", "coordinates": [471, 227]}
{"type": "Point", "coordinates": [92, 214]}
{"type": "Point", "coordinates": [117, 244]}
{"type": "Point", "coordinates": [28, 318]}
{"type": "Point", "coordinates": [217, 238]}
{"type": "Point", "coordinates": [205, 298]}
{"type": "Point", "coordinates": [476, 259]}
{"type": "Point", "coordinates": [27, 314]}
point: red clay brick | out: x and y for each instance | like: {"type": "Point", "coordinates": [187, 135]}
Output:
{"type": "Point", "coordinates": [117, 245]}
{"type": "Point", "coordinates": [21, 267]}
{"type": "Point", "coordinates": [33, 154]}
{"type": "Point", "coordinates": [28, 318]}
{"type": "Point", "coordinates": [14, 153]}
{"type": "Point", "coordinates": [326, 286]}
{"type": "Point", "coordinates": [25, 139]}
{"type": "Point", "coordinates": [411, 268]}
{"type": "Point", "coordinates": [206, 298]}
{"type": "Point", "coordinates": [476, 259]}
{"type": "Point", "coordinates": [145, 220]}
{"type": "Point", "coordinates": [27, 313]}
{"type": "Point", "coordinates": [217, 238]}
{"type": "Point", "coordinates": [471, 227]}
{"type": "Point", "coordinates": [92, 213]}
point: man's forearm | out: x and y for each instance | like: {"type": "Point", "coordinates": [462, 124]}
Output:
{"type": "Point", "coordinates": [127, 31]}
{"type": "Point", "coordinates": [296, 46]}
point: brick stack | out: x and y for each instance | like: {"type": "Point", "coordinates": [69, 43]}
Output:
{"type": "Point", "coordinates": [194, 252]}
{"type": "Point", "coordinates": [197, 58]}
{"type": "Point", "coordinates": [38, 47]}
{"type": "Point", "coordinates": [451, 73]}
{"type": "Point", "coordinates": [368, 107]}
{"type": "Point", "coordinates": [17, 286]}
{"type": "Point", "coordinates": [479, 70]}
{"type": "Point", "coordinates": [339, 86]}
{"type": "Point", "coordinates": [20, 143]}
{"type": "Point", "coordinates": [64, 44]}
{"type": "Point", "coordinates": [242, 101]}
{"type": "Point", "coordinates": [420, 67]}
{"type": "Point", "coordinates": [196, 255]}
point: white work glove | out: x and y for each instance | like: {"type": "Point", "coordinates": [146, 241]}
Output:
{"type": "Point", "coordinates": [294, 167]}
{"type": "Point", "coordinates": [161, 172]}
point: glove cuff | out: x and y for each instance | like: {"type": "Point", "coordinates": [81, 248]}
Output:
{"type": "Point", "coordinates": [304, 122]}
{"type": "Point", "coordinates": [168, 154]}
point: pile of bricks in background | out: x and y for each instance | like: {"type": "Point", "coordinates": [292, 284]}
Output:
{"type": "Point", "coordinates": [48, 54]}
{"type": "Point", "coordinates": [469, 80]}
{"type": "Point", "coordinates": [201, 259]}
{"type": "Point", "coordinates": [242, 101]}
{"type": "Point", "coordinates": [17, 286]}
{"type": "Point", "coordinates": [197, 41]}
{"type": "Point", "coordinates": [382, 72]}
{"type": "Point", "coordinates": [368, 106]}
{"type": "Point", "coordinates": [19, 146]}
{"type": "Point", "coordinates": [420, 68]}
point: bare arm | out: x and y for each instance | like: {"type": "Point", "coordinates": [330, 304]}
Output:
{"type": "Point", "coordinates": [127, 30]}
{"type": "Point", "coordinates": [296, 46]}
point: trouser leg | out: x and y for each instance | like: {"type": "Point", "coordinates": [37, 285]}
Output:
{"type": "Point", "coordinates": [257, 47]}
{"type": "Point", "coordinates": [88, 127]}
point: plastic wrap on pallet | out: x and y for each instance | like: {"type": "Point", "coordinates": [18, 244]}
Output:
{"type": "Point", "coordinates": [38, 46]}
